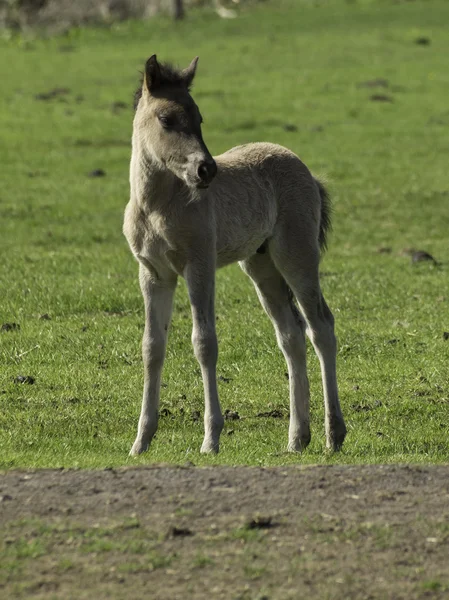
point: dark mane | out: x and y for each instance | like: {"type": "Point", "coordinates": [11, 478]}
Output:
{"type": "Point", "coordinates": [170, 76]}
{"type": "Point", "coordinates": [138, 93]}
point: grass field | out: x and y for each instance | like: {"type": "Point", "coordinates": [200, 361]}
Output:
{"type": "Point", "coordinates": [347, 87]}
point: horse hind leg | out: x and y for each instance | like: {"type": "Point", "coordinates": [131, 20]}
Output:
{"type": "Point", "coordinates": [299, 267]}
{"type": "Point", "coordinates": [322, 335]}
{"type": "Point", "coordinates": [277, 300]}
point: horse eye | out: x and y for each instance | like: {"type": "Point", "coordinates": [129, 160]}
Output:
{"type": "Point", "coordinates": [166, 122]}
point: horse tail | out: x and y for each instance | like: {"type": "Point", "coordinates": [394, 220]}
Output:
{"type": "Point", "coordinates": [325, 216]}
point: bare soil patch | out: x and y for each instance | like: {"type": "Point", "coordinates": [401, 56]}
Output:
{"type": "Point", "coordinates": [275, 533]}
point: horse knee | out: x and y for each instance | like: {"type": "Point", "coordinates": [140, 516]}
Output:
{"type": "Point", "coordinates": [205, 345]}
{"type": "Point", "coordinates": [323, 337]}
{"type": "Point", "coordinates": [292, 343]}
{"type": "Point", "coordinates": [326, 313]}
{"type": "Point", "coordinates": [321, 328]}
{"type": "Point", "coordinates": [153, 350]}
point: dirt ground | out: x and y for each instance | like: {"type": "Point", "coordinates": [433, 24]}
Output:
{"type": "Point", "coordinates": [235, 533]}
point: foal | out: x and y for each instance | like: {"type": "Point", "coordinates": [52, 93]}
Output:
{"type": "Point", "coordinates": [190, 214]}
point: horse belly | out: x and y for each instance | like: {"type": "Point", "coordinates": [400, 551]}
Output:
{"type": "Point", "coordinates": [242, 239]}
{"type": "Point", "coordinates": [244, 222]}
{"type": "Point", "coordinates": [227, 256]}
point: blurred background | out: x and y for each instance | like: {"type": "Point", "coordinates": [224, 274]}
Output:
{"type": "Point", "coordinates": [60, 15]}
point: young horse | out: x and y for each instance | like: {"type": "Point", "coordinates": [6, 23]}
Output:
{"type": "Point", "coordinates": [190, 214]}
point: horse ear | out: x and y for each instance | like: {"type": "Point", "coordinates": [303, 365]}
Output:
{"type": "Point", "coordinates": [152, 77]}
{"type": "Point", "coordinates": [189, 73]}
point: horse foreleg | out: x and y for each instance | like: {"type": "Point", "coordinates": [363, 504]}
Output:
{"type": "Point", "coordinates": [200, 278]}
{"type": "Point", "coordinates": [158, 297]}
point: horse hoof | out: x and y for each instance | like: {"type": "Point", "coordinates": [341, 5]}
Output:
{"type": "Point", "coordinates": [209, 447]}
{"type": "Point", "coordinates": [299, 444]}
{"type": "Point", "coordinates": [138, 448]}
{"type": "Point", "coordinates": [336, 435]}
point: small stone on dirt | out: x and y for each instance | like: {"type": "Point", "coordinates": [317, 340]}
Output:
{"type": "Point", "coordinates": [97, 173]}
{"type": "Point", "coordinates": [24, 379]}
{"type": "Point", "coordinates": [259, 522]}
{"type": "Point", "coordinates": [180, 531]}
{"type": "Point", "coordinates": [10, 327]}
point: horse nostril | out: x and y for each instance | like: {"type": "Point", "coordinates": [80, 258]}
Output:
{"type": "Point", "coordinates": [202, 171]}
{"type": "Point", "coordinates": [212, 169]}
{"type": "Point", "coordinates": [207, 170]}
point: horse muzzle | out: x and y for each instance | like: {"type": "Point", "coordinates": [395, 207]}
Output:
{"type": "Point", "coordinates": [206, 171]}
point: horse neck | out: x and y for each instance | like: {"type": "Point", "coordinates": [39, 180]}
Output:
{"type": "Point", "coordinates": [151, 184]}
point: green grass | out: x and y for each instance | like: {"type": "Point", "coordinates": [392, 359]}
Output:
{"type": "Point", "coordinates": [29, 540]}
{"type": "Point", "coordinates": [63, 253]}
